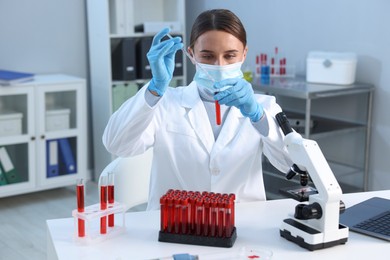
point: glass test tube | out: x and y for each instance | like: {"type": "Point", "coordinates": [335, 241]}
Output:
{"type": "Point", "coordinates": [206, 217]}
{"type": "Point", "coordinates": [177, 211]}
{"type": "Point", "coordinates": [199, 216]}
{"type": "Point", "coordinates": [103, 204]}
{"type": "Point", "coordinates": [169, 215]}
{"type": "Point", "coordinates": [80, 206]}
{"type": "Point", "coordinates": [213, 217]}
{"type": "Point", "coordinates": [110, 193]}
{"type": "Point", "coordinates": [184, 215]}
{"type": "Point", "coordinates": [221, 217]}
{"type": "Point", "coordinates": [163, 213]}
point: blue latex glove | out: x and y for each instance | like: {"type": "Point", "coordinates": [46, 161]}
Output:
{"type": "Point", "coordinates": [240, 95]}
{"type": "Point", "coordinates": [161, 58]}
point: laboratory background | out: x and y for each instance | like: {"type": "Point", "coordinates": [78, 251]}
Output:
{"type": "Point", "coordinates": [51, 37]}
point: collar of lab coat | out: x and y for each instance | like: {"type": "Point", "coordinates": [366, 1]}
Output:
{"type": "Point", "coordinates": [200, 122]}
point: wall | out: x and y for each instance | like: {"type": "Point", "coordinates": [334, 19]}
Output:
{"type": "Point", "coordinates": [300, 26]}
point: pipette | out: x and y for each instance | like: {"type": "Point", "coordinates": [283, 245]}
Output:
{"type": "Point", "coordinates": [192, 59]}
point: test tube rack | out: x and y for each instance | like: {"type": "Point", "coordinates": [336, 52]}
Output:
{"type": "Point", "coordinates": [92, 215]}
{"type": "Point", "coordinates": [196, 218]}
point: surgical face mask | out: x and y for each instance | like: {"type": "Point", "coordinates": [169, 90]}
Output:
{"type": "Point", "coordinates": [206, 75]}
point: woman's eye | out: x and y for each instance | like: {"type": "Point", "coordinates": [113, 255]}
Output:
{"type": "Point", "coordinates": [230, 56]}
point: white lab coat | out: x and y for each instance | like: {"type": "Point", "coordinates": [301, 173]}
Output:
{"type": "Point", "coordinates": [185, 154]}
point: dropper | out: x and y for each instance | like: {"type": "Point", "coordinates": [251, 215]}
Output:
{"type": "Point", "coordinates": [192, 59]}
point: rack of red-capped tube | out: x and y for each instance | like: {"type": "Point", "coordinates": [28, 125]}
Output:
{"type": "Point", "coordinates": [192, 217]}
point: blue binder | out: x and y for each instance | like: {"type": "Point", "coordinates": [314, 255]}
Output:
{"type": "Point", "coordinates": [67, 162]}
{"type": "Point", "coordinates": [52, 166]}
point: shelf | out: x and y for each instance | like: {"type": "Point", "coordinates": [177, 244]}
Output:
{"type": "Point", "coordinates": [323, 127]}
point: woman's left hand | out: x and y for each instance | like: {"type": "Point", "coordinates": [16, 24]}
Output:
{"type": "Point", "coordinates": [239, 93]}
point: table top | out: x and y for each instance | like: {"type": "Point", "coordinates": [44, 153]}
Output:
{"type": "Point", "coordinates": [298, 87]}
{"type": "Point", "coordinates": [257, 226]}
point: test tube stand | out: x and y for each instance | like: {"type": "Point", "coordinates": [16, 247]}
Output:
{"type": "Point", "coordinates": [198, 240]}
{"type": "Point", "coordinates": [92, 215]}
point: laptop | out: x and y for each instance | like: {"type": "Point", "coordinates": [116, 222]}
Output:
{"type": "Point", "coordinates": [370, 217]}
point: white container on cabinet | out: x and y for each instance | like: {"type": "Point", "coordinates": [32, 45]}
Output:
{"type": "Point", "coordinates": [10, 123]}
{"type": "Point", "coordinates": [331, 67]}
{"type": "Point", "coordinates": [57, 119]}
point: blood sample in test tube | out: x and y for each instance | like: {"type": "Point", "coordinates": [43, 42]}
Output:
{"type": "Point", "coordinates": [80, 206]}
{"type": "Point", "coordinates": [103, 204]}
{"type": "Point", "coordinates": [213, 217]}
{"type": "Point", "coordinates": [218, 119]}
{"type": "Point", "coordinates": [110, 192]}
{"type": "Point", "coordinates": [221, 217]}
{"type": "Point", "coordinates": [177, 213]}
{"type": "Point", "coordinates": [184, 215]}
{"type": "Point", "coordinates": [192, 214]}
{"type": "Point", "coordinates": [228, 219]}
{"type": "Point", "coordinates": [199, 216]}
{"type": "Point", "coordinates": [206, 216]}
{"type": "Point", "coordinates": [232, 197]}
{"type": "Point", "coordinates": [170, 216]}
{"type": "Point", "coordinates": [163, 213]}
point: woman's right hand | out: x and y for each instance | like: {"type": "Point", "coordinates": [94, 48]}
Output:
{"type": "Point", "coordinates": [161, 58]}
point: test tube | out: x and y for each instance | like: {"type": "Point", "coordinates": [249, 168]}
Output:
{"type": "Point", "coordinates": [184, 215]}
{"type": "Point", "coordinates": [103, 204]}
{"type": "Point", "coordinates": [177, 211]}
{"type": "Point", "coordinates": [206, 216]}
{"type": "Point", "coordinates": [170, 216]}
{"type": "Point", "coordinates": [213, 217]}
{"type": "Point", "coordinates": [228, 220]}
{"type": "Point", "coordinates": [163, 213]}
{"type": "Point", "coordinates": [221, 217]}
{"type": "Point", "coordinates": [199, 216]}
{"type": "Point", "coordinates": [80, 206]}
{"type": "Point", "coordinates": [110, 191]}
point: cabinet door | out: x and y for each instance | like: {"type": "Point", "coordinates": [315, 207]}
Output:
{"type": "Point", "coordinates": [60, 148]}
{"type": "Point", "coordinates": [17, 140]}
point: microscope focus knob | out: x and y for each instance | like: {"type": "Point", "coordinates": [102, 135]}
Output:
{"type": "Point", "coordinates": [312, 211]}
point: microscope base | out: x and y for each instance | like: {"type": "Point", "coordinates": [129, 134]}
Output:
{"type": "Point", "coordinates": [313, 237]}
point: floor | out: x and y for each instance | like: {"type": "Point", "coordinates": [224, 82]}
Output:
{"type": "Point", "coordinates": [23, 219]}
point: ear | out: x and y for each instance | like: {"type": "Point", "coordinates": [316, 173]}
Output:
{"type": "Point", "coordinates": [191, 53]}
{"type": "Point", "coordinates": [245, 52]}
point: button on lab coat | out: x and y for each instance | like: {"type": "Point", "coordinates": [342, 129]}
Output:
{"type": "Point", "coordinates": [185, 154]}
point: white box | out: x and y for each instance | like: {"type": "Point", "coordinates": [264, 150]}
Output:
{"type": "Point", "coordinates": [57, 119]}
{"type": "Point", "coordinates": [10, 123]}
{"type": "Point", "coordinates": [331, 67]}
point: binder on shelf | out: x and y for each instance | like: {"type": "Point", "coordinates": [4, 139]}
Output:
{"type": "Point", "coordinates": [3, 180]}
{"type": "Point", "coordinates": [123, 59]}
{"type": "Point", "coordinates": [8, 167]}
{"type": "Point", "coordinates": [143, 46]}
{"type": "Point", "coordinates": [8, 77]}
{"type": "Point", "coordinates": [67, 162]}
{"type": "Point", "coordinates": [52, 158]}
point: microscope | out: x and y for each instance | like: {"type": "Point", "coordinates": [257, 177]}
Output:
{"type": "Point", "coordinates": [316, 223]}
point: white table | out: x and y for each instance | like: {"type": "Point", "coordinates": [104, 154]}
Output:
{"type": "Point", "coordinates": [257, 226]}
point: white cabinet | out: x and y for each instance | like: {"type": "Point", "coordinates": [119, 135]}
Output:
{"type": "Point", "coordinates": [49, 149]}
{"type": "Point", "coordinates": [110, 24]}
{"type": "Point", "coordinates": [337, 117]}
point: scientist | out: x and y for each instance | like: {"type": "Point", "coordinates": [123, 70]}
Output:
{"type": "Point", "coordinates": [191, 151]}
